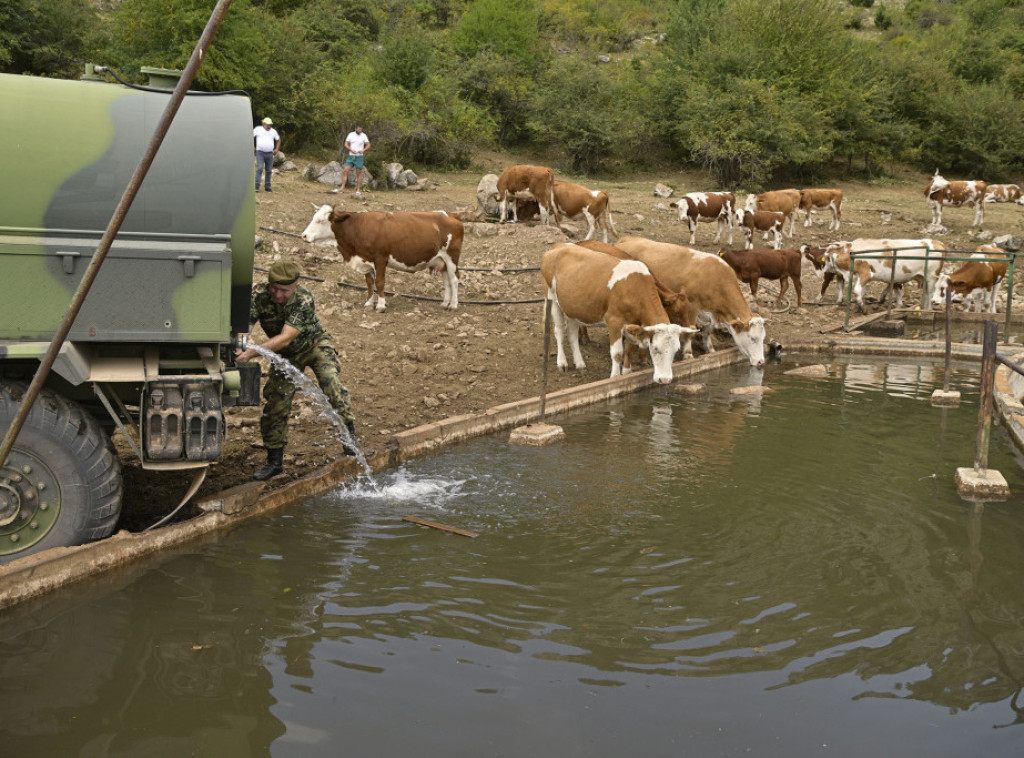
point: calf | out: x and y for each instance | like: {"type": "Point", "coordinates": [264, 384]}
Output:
{"type": "Point", "coordinates": [711, 206]}
{"type": "Point", "coordinates": [822, 263]}
{"type": "Point", "coordinates": [894, 271]}
{"type": "Point", "coordinates": [941, 192]}
{"type": "Point", "coordinates": [531, 183]}
{"type": "Point", "coordinates": [373, 241]}
{"type": "Point", "coordinates": [974, 280]}
{"type": "Point", "coordinates": [712, 289]}
{"type": "Point", "coordinates": [573, 200]}
{"type": "Point", "coordinates": [588, 287]}
{"type": "Point", "coordinates": [820, 199]}
{"type": "Point", "coordinates": [786, 201]}
{"type": "Point", "coordinates": [753, 265]}
{"type": "Point", "coordinates": [769, 222]}
{"type": "Point", "coordinates": [1004, 193]}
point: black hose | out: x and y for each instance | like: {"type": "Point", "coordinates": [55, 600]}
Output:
{"type": "Point", "coordinates": [159, 91]}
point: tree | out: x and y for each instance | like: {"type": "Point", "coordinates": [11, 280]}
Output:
{"type": "Point", "coordinates": [50, 37]}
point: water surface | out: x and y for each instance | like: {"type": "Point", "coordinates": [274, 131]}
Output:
{"type": "Point", "coordinates": [784, 575]}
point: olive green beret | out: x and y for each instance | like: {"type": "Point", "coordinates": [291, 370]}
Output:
{"type": "Point", "coordinates": [283, 272]}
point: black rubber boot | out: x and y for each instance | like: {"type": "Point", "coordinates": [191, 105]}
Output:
{"type": "Point", "coordinates": [275, 465]}
{"type": "Point", "coordinates": [351, 426]}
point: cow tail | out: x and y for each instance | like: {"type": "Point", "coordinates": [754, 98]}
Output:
{"type": "Point", "coordinates": [551, 197]}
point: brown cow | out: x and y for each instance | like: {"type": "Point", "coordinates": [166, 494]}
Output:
{"type": "Point", "coordinates": [711, 206]}
{"type": "Point", "coordinates": [769, 222]}
{"type": "Point", "coordinates": [786, 201]}
{"type": "Point", "coordinates": [1004, 193]}
{"type": "Point", "coordinates": [711, 287]}
{"type": "Point", "coordinates": [975, 281]}
{"type": "Point", "coordinates": [573, 200]}
{"type": "Point", "coordinates": [942, 192]}
{"type": "Point", "coordinates": [588, 287]}
{"type": "Point", "coordinates": [819, 199]}
{"type": "Point", "coordinates": [781, 265]}
{"type": "Point", "coordinates": [531, 183]}
{"type": "Point", "coordinates": [372, 241]}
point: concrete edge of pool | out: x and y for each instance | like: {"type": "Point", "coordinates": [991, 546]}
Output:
{"type": "Point", "coordinates": [37, 575]}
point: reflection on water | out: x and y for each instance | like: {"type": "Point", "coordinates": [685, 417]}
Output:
{"type": "Point", "coordinates": [684, 575]}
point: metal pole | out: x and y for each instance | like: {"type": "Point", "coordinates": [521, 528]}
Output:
{"type": "Point", "coordinates": [988, 356]}
{"type": "Point", "coordinates": [544, 370]}
{"type": "Point", "coordinates": [113, 227]}
{"type": "Point", "coordinates": [1009, 293]}
{"type": "Point", "coordinates": [949, 342]}
{"type": "Point", "coordinates": [892, 287]}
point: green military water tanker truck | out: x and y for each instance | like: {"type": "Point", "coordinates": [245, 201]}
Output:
{"type": "Point", "coordinates": [150, 352]}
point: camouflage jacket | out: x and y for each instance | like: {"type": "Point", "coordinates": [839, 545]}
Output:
{"type": "Point", "coordinates": [299, 311]}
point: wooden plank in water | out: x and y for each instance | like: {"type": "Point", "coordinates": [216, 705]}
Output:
{"type": "Point", "coordinates": [442, 527]}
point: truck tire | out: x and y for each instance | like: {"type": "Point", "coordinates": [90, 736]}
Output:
{"type": "Point", "coordinates": [61, 484]}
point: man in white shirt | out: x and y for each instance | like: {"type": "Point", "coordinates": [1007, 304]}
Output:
{"type": "Point", "coordinates": [268, 142]}
{"type": "Point", "coordinates": [357, 144]}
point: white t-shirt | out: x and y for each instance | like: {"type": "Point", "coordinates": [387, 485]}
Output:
{"type": "Point", "coordinates": [357, 142]}
{"type": "Point", "coordinates": [265, 139]}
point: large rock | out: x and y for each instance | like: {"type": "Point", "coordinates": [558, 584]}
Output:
{"type": "Point", "coordinates": [486, 192]}
{"type": "Point", "coordinates": [396, 176]}
{"type": "Point", "coordinates": [332, 172]}
{"type": "Point", "coordinates": [1008, 242]}
{"type": "Point", "coordinates": [661, 190]}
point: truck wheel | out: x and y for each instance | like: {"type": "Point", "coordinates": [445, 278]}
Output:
{"type": "Point", "coordinates": [61, 483]}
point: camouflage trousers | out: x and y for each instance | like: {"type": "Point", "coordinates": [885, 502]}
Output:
{"type": "Point", "coordinates": [279, 391]}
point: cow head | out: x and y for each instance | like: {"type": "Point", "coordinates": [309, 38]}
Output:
{"type": "Point", "coordinates": [662, 340]}
{"type": "Point", "coordinates": [751, 203]}
{"type": "Point", "coordinates": [319, 230]}
{"type": "Point", "coordinates": [939, 296]}
{"type": "Point", "coordinates": [816, 256]}
{"type": "Point", "coordinates": [749, 337]}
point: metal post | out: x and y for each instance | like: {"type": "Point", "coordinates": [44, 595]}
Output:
{"type": "Point", "coordinates": [113, 227]}
{"type": "Point", "coordinates": [949, 342]}
{"type": "Point", "coordinates": [925, 294]}
{"type": "Point", "coordinates": [892, 287]}
{"type": "Point", "coordinates": [544, 371]}
{"type": "Point", "coordinates": [988, 360]}
{"type": "Point", "coordinates": [1009, 292]}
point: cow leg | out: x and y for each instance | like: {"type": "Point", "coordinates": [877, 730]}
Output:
{"type": "Point", "coordinates": [718, 233]}
{"type": "Point", "coordinates": [371, 281]}
{"type": "Point", "coordinates": [692, 222]}
{"type": "Point", "coordinates": [591, 225]}
{"type": "Point", "coordinates": [616, 344]}
{"type": "Point", "coordinates": [754, 279]}
{"type": "Point", "coordinates": [979, 214]}
{"type": "Point", "coordinates": [381, 266]}
{"type": "Point", "coordinates": [778, 238]}
{"type": "Point", "coordinates": [792, 223]}
{"type": "Point", "coordinates": [799, 287]}
{"type": "Point", "coordinates": [834, 224]}
{"type": "Point", "coordinates": [558, 320]}
{"type": "Point", "coordinates": [573, 327]}
{"type": "Point", "coordinates": [750, 238]}
{"type": "Point", "coordinates": [783, 287]}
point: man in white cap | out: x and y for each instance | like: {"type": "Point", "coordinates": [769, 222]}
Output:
{"type": "Point", "coordinates": [268, 142]}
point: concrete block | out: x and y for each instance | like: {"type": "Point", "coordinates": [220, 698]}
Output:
{"type": "Point", "coordinates": [536, 435]}
{"type": "Point", "coordinates": [687, 389]}
{"type": "Point", "coordinates": [893, 328]}
{"type": "Point", "coordinates": [816, 370]}
{"type": "Point", "coordinates": [984, 485]}
{"type": "Point", "coordinates": [944, 397]}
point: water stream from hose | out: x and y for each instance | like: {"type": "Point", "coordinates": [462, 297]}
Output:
{"type": "Point", "coordinates": [310, 389]}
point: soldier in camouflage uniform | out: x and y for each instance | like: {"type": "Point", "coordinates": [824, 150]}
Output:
{"type": "Point", "coordinates": [287, 314]}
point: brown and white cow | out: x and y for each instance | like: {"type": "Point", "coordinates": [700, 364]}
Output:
{"type": "Point", "coordinates": [769, 222]}
{"type": "Point", "coordinates": [786, 201]}
{"type": "Point", "coordinates": [710, 206]}
{"type": "Point", "coordinates": [527, 183]}
{"type": "Point", "coordinates": [880, 265]}
{"type": "Point", "coordinates": [941, 192]}
{"type": "Point", "coordinates": [712, 289]}
{"type": "Point", "coordinates": [751, 266]}
{"type": "Point", "coordinates": [822, 199]}
{"type": "Point", "coordinates": [574, 200]}
{"type": "Point", "coordinates": [1004, 193]}
{"type": "Point", "coordinates": [976, 281]}
{"type": "Point", "coordinates": [586, 287]}
{"type": "Point", "coordinates": [373, 241]}
{"type": "Point", "coordinates": [822, 267]}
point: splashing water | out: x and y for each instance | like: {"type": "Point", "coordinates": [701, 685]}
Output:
{"type": "Point", "coordinates": [401, 487]}
{"type": "Point", "coordinates": [310, 389]}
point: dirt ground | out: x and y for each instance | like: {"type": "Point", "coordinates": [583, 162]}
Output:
{"type": "Point", "coordinates": [417, 363]}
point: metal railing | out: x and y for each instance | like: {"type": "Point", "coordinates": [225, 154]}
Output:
{"type": "Point", "coordinates": [989, 358]}
{"type": "Point", "coordinates": [948, 256]}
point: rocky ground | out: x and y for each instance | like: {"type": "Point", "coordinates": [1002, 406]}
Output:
{"type": "Point", "coordinates": [417, 363]}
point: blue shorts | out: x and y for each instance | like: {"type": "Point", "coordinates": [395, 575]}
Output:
{"type": "Point", "coordinates": [354, 160]}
